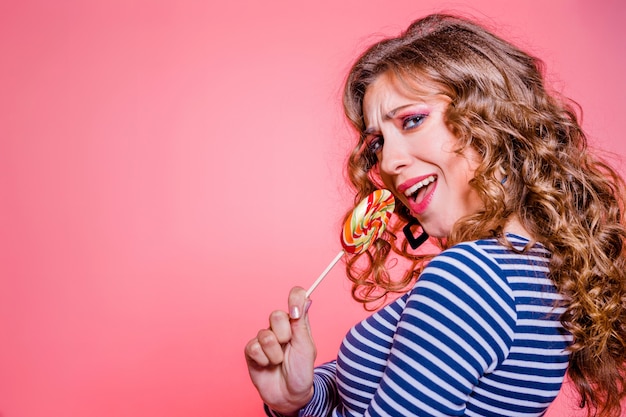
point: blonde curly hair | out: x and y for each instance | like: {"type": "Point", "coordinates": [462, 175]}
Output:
{"type": "Point", "coordinates": [567, 198]}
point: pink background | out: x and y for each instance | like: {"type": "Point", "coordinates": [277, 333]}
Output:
{"type": "Point", "coordinates": [169, 169]}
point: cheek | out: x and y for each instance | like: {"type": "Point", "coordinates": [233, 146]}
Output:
{"type": "Point", "coordinates": [376, 177]}
{"type": "Point", "coordinates": [464, 165]}
{"type": "Point", "coordinates": [386, 181]}
{"type": "Point", "coordinates": [464, 174]}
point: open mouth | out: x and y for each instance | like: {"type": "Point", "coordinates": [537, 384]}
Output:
{"type": "Point", "coordinates": [413, 192]}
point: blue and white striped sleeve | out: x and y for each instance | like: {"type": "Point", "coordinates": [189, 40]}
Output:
{"type": "Point", "coordinates": [458, 324]}
{"type": "Point", "coordinates": [325, 397]}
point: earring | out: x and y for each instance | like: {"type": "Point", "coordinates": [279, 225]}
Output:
{"type": "Point", "coordinates": [504, 176]}
{"type": "Point", "coordinates": [414, 241]}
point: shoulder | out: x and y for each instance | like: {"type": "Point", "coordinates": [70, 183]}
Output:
{"type": "Point", "coordinates": [468, 279]}
{"type": "Point", "coordinates": [464, 296]}
{"type": "Point", "coordinates": [475, 264]}
{"type": "Point", "coordinates": [487, 263]}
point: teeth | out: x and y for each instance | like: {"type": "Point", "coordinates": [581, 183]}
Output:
{"type": "Point", "coordinates": [413, 189]}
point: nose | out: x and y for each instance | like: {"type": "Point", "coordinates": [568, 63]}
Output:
{"type": "Point", "coordinates": [394, 154]}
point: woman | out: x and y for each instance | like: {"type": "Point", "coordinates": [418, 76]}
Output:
{"type": "Point", "coordinates": [530, 283]}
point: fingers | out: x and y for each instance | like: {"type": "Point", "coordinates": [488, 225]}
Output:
{"type": "Point", "coordinates": [279, 324]}
{"type": "Point", "coordinates": [297, 302]}
{"type": "Point", "coordinates": [255, 357]}
{"type": "Point", "coordinates": [301, 338]}
{"type": "Point", "coordinates": [267, 348]}
{"type": "Point", "coordinates": [264, 350]}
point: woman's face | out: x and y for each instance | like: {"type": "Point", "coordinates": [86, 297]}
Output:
{"type": "Point", "coordinates": [415, 151]}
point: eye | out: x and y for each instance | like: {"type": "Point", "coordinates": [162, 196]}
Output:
{"type": "Point", "coordinates": [372, 147]}
{"type": "Point", "coordinates": [413, 121]}
{"type": "Point", "coordinates": [375, 145]}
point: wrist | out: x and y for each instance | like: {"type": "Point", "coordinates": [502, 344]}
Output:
{"type": "Point", "coordinates": [292, 407]}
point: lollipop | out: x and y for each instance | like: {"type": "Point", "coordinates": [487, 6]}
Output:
{"type": "Point", "coordinates": [366, 223]}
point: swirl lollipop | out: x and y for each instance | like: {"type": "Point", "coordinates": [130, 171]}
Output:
{"type": "Point", "coordinates": [365, 224]}
{"type": "Point", "coordinates": [367, 221]}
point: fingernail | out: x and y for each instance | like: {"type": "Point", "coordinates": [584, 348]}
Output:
{"type": "Point", "coordinates": [294, 313]}
{"type": "Point", "coordinates": [307, 305]}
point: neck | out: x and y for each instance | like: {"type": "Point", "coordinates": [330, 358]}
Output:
{"type": "Point", "coordinates": [514, 226]}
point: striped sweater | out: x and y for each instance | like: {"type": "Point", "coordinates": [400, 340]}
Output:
{"type": "Point", "coordinates": [478, 335]}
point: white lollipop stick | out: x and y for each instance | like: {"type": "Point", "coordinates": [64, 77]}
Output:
{"type": "Point", "coordinates": [374, 210]}
{"type": "Point", "coordinates": [326, 271]}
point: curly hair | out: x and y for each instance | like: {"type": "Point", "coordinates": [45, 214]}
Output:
{"type": "Point", "coordinates": [566, 197]}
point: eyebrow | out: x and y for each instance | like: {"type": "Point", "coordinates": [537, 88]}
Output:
{"type": "Point", "coordinates": [393, 112]}
{"type": "Point", "coordinates": [369, 131]}
{"type": "Point", "coordinates": [388, 116]}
